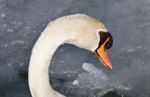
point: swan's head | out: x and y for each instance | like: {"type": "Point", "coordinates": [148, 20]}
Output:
{"type": "Point", "coordinates": [98, 44]}
{"type": "Point", "coordinates": [91, 34]}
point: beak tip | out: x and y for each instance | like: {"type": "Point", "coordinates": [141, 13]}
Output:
{"type": "Point", "coordinates": [108, 67]}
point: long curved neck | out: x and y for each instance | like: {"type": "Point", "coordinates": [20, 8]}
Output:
{"type": "Point", "coordinates": [68, 29]}
{"type": "Point", "coordinates": [39, 65]}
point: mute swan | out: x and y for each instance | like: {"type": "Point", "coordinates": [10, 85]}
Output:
{"type": "Point", "coordinates": [78, 29]}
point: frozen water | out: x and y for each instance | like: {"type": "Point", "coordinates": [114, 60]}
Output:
{"type": "Point", "coordinates": [22, 21]}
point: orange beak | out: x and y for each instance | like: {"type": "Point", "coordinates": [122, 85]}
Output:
{"type": "Point", "coordinates": [103, 56]}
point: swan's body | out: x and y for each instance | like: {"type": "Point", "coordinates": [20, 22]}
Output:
{"type": "Point", "coordinates": [80, 30]}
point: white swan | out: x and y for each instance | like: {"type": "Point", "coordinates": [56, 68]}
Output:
{"type": "Point", "coordinates": [78, 29]}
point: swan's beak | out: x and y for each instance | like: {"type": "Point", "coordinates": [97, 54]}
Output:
{"type": "Point", "coordinates": [103, 56]}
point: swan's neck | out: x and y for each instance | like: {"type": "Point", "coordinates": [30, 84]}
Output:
{"type": "Point", "coordinates": [39, 65]}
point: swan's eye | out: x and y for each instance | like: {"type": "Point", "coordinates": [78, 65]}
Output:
{"type": "Point", "coordinates": [105, 37]}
